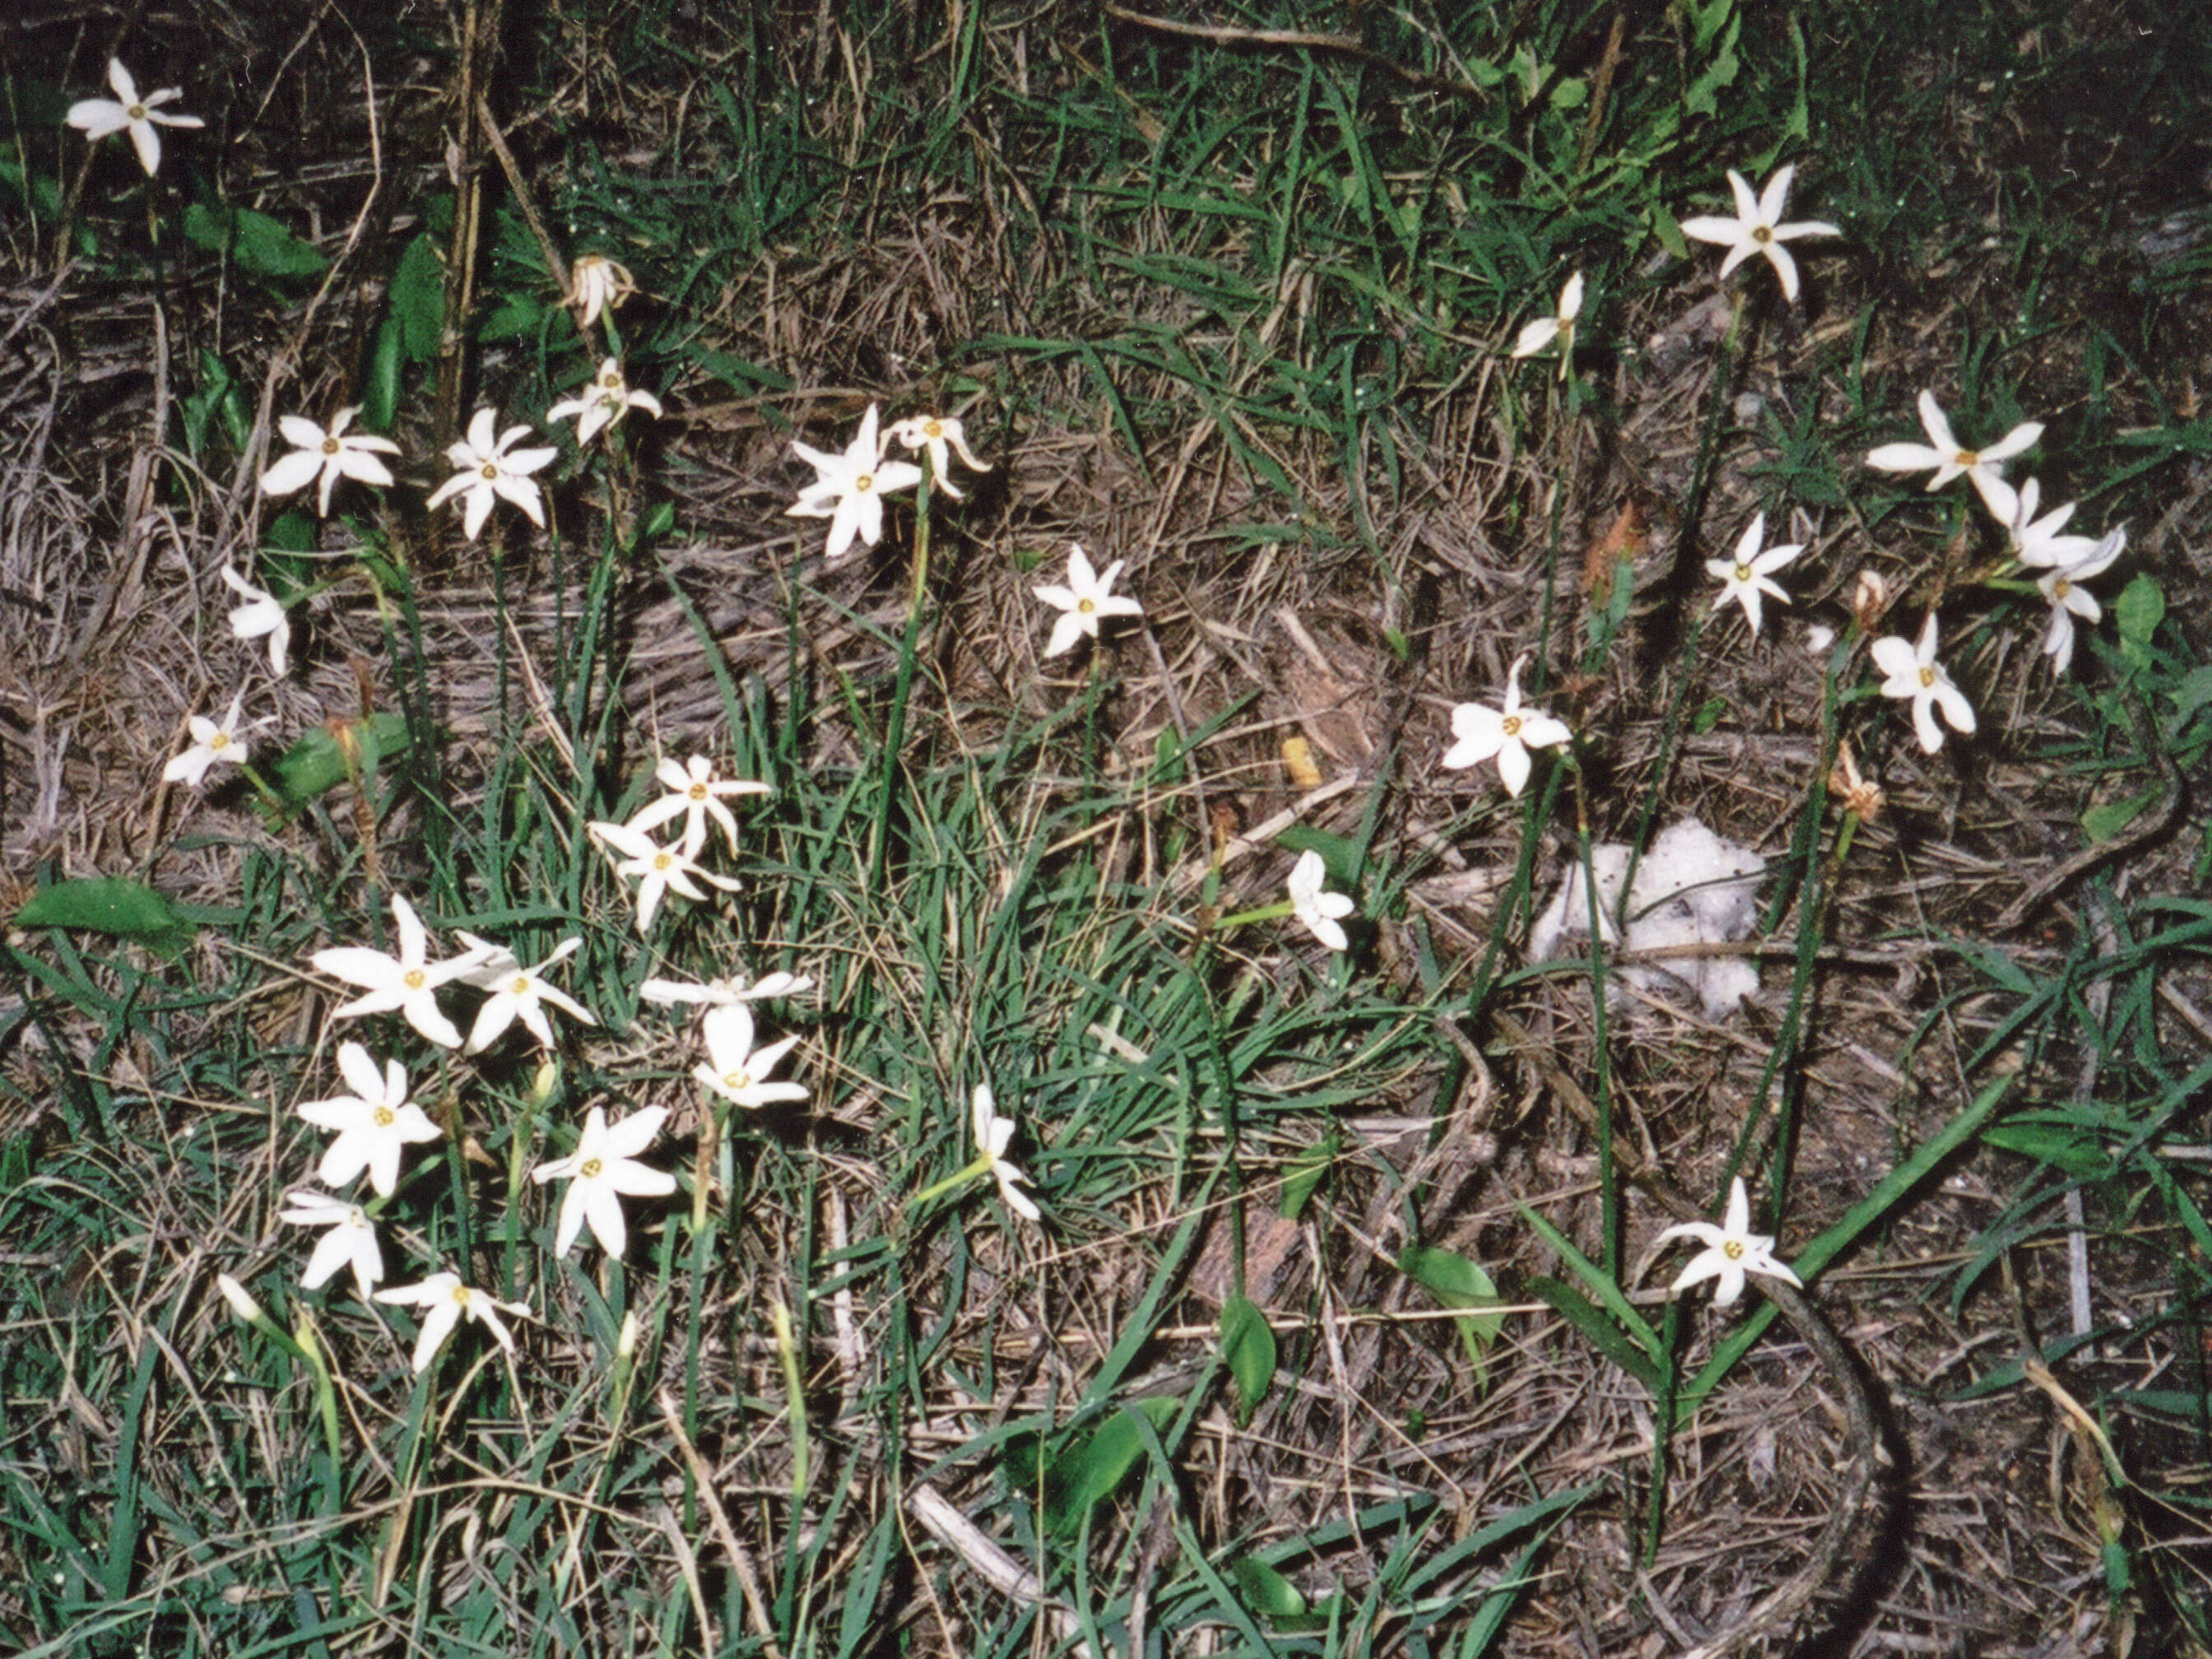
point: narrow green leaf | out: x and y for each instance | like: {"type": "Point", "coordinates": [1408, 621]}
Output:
{"type": "Point", "coordinates": [1600, 1285]}
{"type": "Point", "coordinates": [1603, 1334]}
{"type": "Point", "coordinates": [1248, 1344]}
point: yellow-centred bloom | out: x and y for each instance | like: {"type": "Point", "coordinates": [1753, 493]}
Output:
{"type": "Point", "coordinates": [98, 116]}
{"type": "Point", "coordinates": [1751, 573]}
{"type": "Point", "coordinates": [261, 614]}
{"type": "Point", "coordinates": [936, 432]}
{"type": "Point", "coordinates": [602, 1171]}
{"type": "Point", "coordinates": [1913, 672]}
{"type": "Point", "coordinates": [658, 868]}
{"type": "Point", "coordinates": [604, 403]}
{"type": "Point", "coordinates": [1560, 327]}
{"type": "Point", "coordinates": [518, 993]}
{"type": "Point", "coordinates": [1756, 229]}
{"type": "Point", "coordinates": [994, 1134]}
{"type": "Point", "coordinates": [848, 490]}
{"type": "Point", "coordinates": [408, 981]}
{"type": "Point", "coordinates": [736, 1071]}
{"type": "Point", "coordinates": [375, 1124]}
{"type": "Point", "coordinates": [213, 741]}
{"type": "Point", "coordinates": [447, 1300]}
{"type": "Point", "coordinates": [2036, 542]}
{"type": "Point", "coordinates": [696, 793]}
{"type": "Point", "coordinates": [324, 457]}
{"type": "Point", "coordinates": [1732, 1250]}
{"type": "Point", "coordinates": [1321, 912]}
{"type": "Point", "coordinates": [1982, 468]}
{"type": "Point", "coordinates": [348, 1239]}
{"type": "Point", "coordinates": [1480, 733]}
{"type": "Point", "coordinates": [724, 993]}
{"type": "Point", "coordinates": [1087, 600]}
{"type": "Point", "coordinates": [596, 283]}
{"type": "Point", "coordinates": [2069, 598]}
{"type": "Point", "coordinates": [491, 468]}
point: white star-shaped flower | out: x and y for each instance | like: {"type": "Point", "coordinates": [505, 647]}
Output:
{"type": "Point", "coordinates": [408, 981]}
{"type": "Point", "coordinates": [350, 1241]}
{"type": "Point", "coordinates": [935, 433]}
{"type": "Point", "coordinates": [1750, 573]}
{"type": "Point", "coordinates": [2069, 599]}
{"type": "Point", "coordinates": [695, 791]}
{"type": "Point", "coordinates": [1731, 1251]}
{"type": "Point", "coordinates": [724, 993]}
{"type": "Point", "coordinates": [602, 1171]}
{"type": "Point", "coordinates": [1087, 600]}
{"type": "Point", "coordinates": [490, 468]}
{"type": "Point", "coordinates": [1321, 912]}
{"type": "Point", "coordinates": [1481, 732]}
{"type": "Point", "coordinates": [331, 455]}
{"type": "Point", "coordinates": [1952, 460]}
{"type": "Point", "coordinates": [213, 741]}
{"type": "Point", "coordinates": [375, 1123]}
{"type": "Point", "coordinates": [596, 282]}
{"type": "Point", "coordinates": [261, 614]}
{"type": "Point", "coordinates": [1560, 327]}
{"type": "Point", "coordinates": [604, 402]}
{"type": "Point", "coordinates": [848, 490]}
{"type": "Point", "coordinates": [447, 1300]}
{"type": "Point", "coordinates": [1914, 673]}
{"type": "Point", "coordinates": [98, 116]}
{"type": "Point", "coordinates": [994, 1134]}
{"type": "Point", "coordinates": [2036, 542]}
{"type": "Point", "coordinates": [518, 993]}
{"type": "Point", "coordinates": [736, 1071]}
{"type": "Point", "coordinates": [658, 868]}
{"type": "Point", "coordinates": [1756, 229]}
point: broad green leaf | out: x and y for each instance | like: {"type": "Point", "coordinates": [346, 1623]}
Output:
{"type": "Point", "coordinates": [321, 759]}
{"type": "Point", "coordinates": [1248, 1344]}
{"type": "Point", "coordinates": [2107, 819]}
{"type": "Point", "coordinates": [2138, 610]}
{"type": "Point", "coordinates": [1264, 1591]}
{"type": "Point", "coordinates": [379, 400]}
{"type": "Point", "coordinates": [1456, 1282]}
{"type": "Point", "coordinates": [1087, 1473]}
{"type": "Point", "coordinates": [1303, 1177]}
{"type": "Point", "coordinates": [1340, 852]}
{"type": "Point", "coordinates": [418, 299]}
{"type": "Point", "coordinates": [109, 904]}
{"type": "Point", "coordinates": [254, 241]}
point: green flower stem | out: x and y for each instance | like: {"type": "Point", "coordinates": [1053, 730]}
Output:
{"type": "Point", "coordinates": [974, 1171]}
{"type": "Point", "coordinates": [894, 728]}
{"type": "Point", "coordinates": [1265, 913]}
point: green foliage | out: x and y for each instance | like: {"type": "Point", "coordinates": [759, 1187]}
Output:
{"type": "Point", "coordinates": [256, 243]}
{"type": "Point", "coordinates": [110, 904]}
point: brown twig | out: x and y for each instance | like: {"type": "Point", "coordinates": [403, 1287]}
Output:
{"type": "Point", "coordinates": [1344, 45]}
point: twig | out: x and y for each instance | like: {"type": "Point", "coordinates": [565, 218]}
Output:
{"type": "Point", "coordinates": [1345, 45]}
{"type": "Point", "coordinates": [740, 1562]}
{"type": "Point", "coordinates": [999, 1569]}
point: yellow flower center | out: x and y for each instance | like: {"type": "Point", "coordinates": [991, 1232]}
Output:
{"type": "Point", "coordinates": [461, 1296]}
{"type": "Point", "coordinates": [933, 429]}
{"type": "Point", "coordinates": [521, 987]}
{"type": "Point", "coordinates": [218, 743]}
{"type": "Point", "coordinates": [1743, 573]}
{"type": "Point", "coordinates": [1512, 727]}
{"type": "Point", "coordinates": [1732, 1249]}
{"type": "Point", "coordinates": [382, 1117]}
{"type": "Point", "coordinates": [1927, 678]}
{"type": "Point", "coordinates": [412, 979]}
{"type": "Point", "coordinates": [2061, 588]}
{"type": "Point", "coordinates": [1086, 607]}
{"type": "Point", "coordinates": [1967, 458]}
{"type": "Point", "coordinates": [737, 1080]}
{"type": "Point", "coordinates": [331, 446]}
{"type": "Point", "coordinates": [699, 792]}
{"type": "Point", "coordinates": [591, 1168]}
{"type": "Point", "coordinates": [136, 112]}
{"type": "Point", "coordinates": [489, 471]}
{"type": "Point", "coordinates": [662, 862]}
{"type": "Point", "coordinates": [865, 483]}
{"type": "Point", "coordinates": [1761, 234]}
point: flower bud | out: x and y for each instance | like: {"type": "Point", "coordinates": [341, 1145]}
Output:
{"type": "Point", "coordinates": [1869, 600]}
{"type": "Point", "coordinates": [241, 1301]}
{"type": "Point", "coordinates": [1861, 797]}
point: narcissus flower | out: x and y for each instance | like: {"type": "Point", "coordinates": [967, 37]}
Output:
{"type": "Point", "coordinates": [213, 741]}
{"type": "Point", "coordinates": [1560, 327]}
{"type": "Point", "coordinates": [408, 981]}
{"type": "Point", "coordinates": [261, 614]}
{"type": "Point", "coordinates": [327, 456]}
{"type": "Point", "coordinates": [1087, 600]}
{"type": "Point", "coordinates": [994, 1134]}
{"type": "Point", "coordinates": [736, 1071]}
{"type": "Point", "coordinates": [447, 1300]}
{"type": "Point", "coordinates": [2069, 599]}
{"type": "Point", "coordinates": [491, 468]}
{"type": "Point", "coordinates": [98, 116]}
{"type": "Point", "coordinates": [658, 868]}
{"type": "Point", "coordinates": [518, 993]}
{"type": "Point", "coordinates": [1506, 734]}
{"type": "Point", "coordinates": [935, 433]}
{"type": "Point", "coordinates": [695, 791]}
{"type": "Point", "coordinates": [1749, 574]}
{"type": "Point", "coordinates": [596, 282]}
{"type": "Point", "coordinates": [724, 993]}
{"type": "Point", "coordinates": [604, 403]}
{"type": "Point", "coordinates": [375, 1123]}
{"type": "Point", "coordinates": [1756, 227]}
{"type": "Point", "coordinates": [848, 490]}
{"type": "Point", "coordinates": [349, 1241]}
{"type": "Point", "coordinates": [2036, 542]}
{"type": "Point", "coordinates": [1321, 913]}
{"type": "Point", "coordinates": [1732, 1250]}
{"type": "Point", "coordinates": [1914, 673]}
{"type": "Point", "coordinates": [1952, 460]}
{"type": "Point", "coordinates": [601, 1172]}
